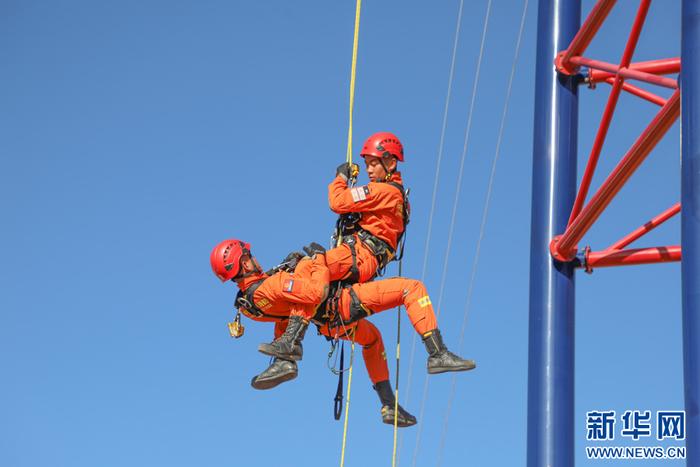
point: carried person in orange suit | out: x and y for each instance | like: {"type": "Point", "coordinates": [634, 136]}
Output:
{"type": "Point", "coordinates": [373, 218]}
{"type": "Point", "coordinates": [281, 296]}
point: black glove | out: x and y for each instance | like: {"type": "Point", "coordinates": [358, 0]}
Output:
{"type": "Point", "coordinates": [314, 248]}
{"type": "Point", "coordinates": [289, 263]}
{"type": "Point", "coordinates": [347, 170]}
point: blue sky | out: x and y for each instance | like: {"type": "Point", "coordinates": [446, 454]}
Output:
{"type": "Point", "coordinates": [136, 135]}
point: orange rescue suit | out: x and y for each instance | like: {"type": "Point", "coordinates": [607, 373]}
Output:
{"type": "Point", "coordinates": [381, 206]}
{"type": "Point", "coordinates": [278, 299]}
{"type": "Point", "coordinates": [285, 294]}
{"type": "Point", "coordinates": [380, 296]}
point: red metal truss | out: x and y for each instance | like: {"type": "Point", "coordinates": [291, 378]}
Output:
{"type": "Point", "coordinates": [639, 92]}
{"type": "Point", "coordinates": [585, 35]}
{"type": "Point", "coordinates": [659, 254]}
{"type": "Point", "coordinates": [616, 255]}
{"type": "Point", "coordinates": [646, 228]}
{"type": "Point", "coordinates": [625, 72]}
{"type": "Point", "coordinates": [583, 215]}
{"type": "Point", "coordinates": [655, 67]}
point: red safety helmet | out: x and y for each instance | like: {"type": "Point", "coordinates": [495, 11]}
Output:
{"type": "Point", "coordinates": [383, 144]}
{"type": "Point", "coordinates": [226, 258]}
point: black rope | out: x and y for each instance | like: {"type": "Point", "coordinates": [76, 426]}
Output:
{"type": "Point", "coordinates": [338, 400]}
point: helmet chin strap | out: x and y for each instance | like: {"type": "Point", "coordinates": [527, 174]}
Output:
{"type": "Point", "coordinates": [256, 268]}
{"type": "Point", "coordinates": [389, 173]}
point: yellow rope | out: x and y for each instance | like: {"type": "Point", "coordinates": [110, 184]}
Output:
{"type": "Point", "coordinates": [352, 78]}
{"type": "Point", "coordinates": [396, 412]}
{"type": "Point", "coordinates": [398, 361]}
{"type": "Point", "coordinates": [349, 161]}
{"type": "Point", "coordinates": [347, 404]}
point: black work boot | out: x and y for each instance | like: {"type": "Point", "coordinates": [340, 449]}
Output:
{"type": "Point", "coordinates": [277, 373]}
{"type": "Point", "coordinates": [440, 359]}
{"type": "Point", "coordinates": [288, 345]}
{"type": "Point", "coordinates": [386, 396]}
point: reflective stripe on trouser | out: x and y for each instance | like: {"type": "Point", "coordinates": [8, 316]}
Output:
{"type": "Point", "coordinates": [389, 293]}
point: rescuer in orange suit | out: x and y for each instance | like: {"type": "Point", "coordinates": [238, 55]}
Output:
{"type": "Point", "coordinates": [283, 295]}
{"type": "Point", "coordinates": [373, 218]}
{"type": "Point", "coordinates": [276, 297]}
{"type": "Point", "coordinates": [380, 204]}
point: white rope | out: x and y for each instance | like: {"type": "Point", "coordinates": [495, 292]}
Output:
{"type": "Point", "coordinates": [484, 218]}
{"type": "Point", "coordinates": [426, 248]}
{"type": "Point", "coordinates": [454, 213]}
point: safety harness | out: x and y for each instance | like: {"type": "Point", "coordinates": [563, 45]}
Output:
{"type": "Point", "coordinates": [244, 299]}
{"type": "Point", "coordinates": [347, 226]}
{"type": "Point", "coordinates": [246, 304]}
{"type": "Point", "coordinates": [328, 312]}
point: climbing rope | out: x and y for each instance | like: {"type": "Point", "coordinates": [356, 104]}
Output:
{"type": "Point", "coordinates": [398, 357]}
{"type": "Point", "coordinates": [426, 248]}
{"type": "Point", "coordinates": [348, 157]}
{"type": "Point", "coordinates": [347, 403]}
{"type": "Point", "coordinates": [482, 228]}
{"type": "Point", "coordinates": [454, 210]}
{"type": "Point", "coordinates": [438, 163]}
{"type": "Point", "coordinates": [453, 218]}
{"type": "Point", "coordinates": [353, 68]}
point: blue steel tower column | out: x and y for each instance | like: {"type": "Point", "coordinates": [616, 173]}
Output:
{"type": "Point", "coordinates": [550, 426]}
{"type": "Point", "coordinates": [690, 221]}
